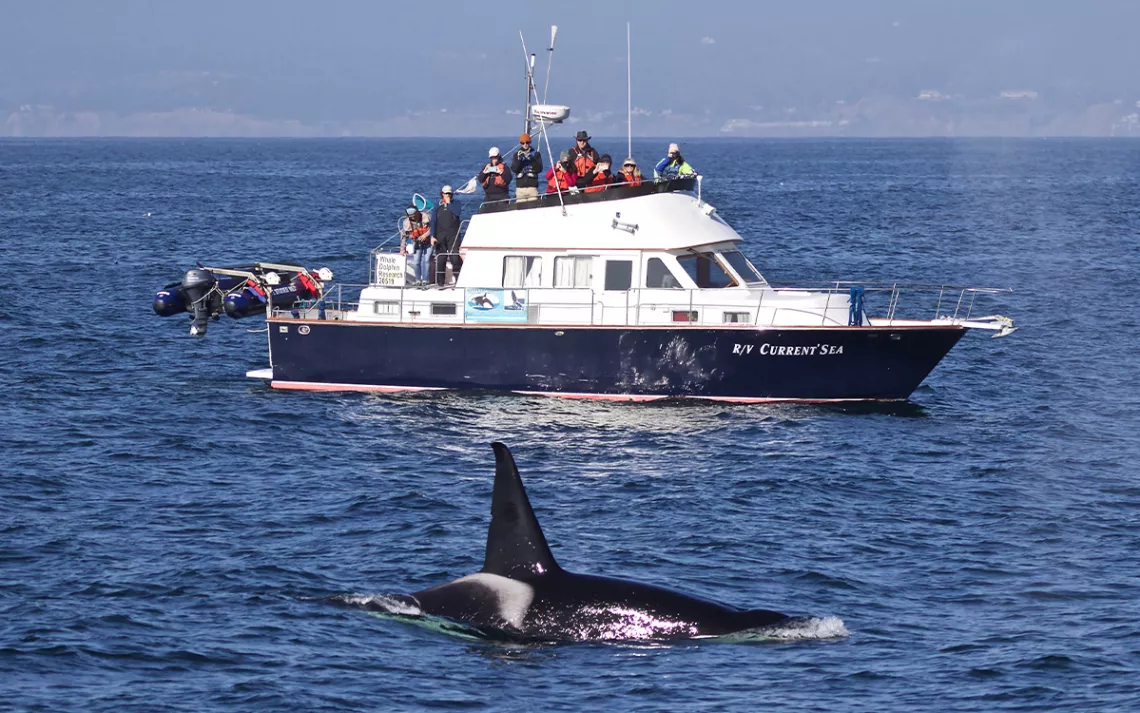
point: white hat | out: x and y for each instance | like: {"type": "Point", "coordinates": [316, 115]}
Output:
{"type": "Point", "coordinates": [674, 148]}
{"type": "Point", "coordinates": [446, 189]}
{"type": "Point", "coordinates": [493, 152]}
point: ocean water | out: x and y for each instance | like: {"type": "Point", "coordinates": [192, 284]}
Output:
{"type": "Point", "coordinates": [175, 537]}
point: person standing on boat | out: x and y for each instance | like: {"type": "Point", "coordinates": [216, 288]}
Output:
{"type": "Point", "coordinates": [417, 243]}
{"type": "Point", "coordinates": [583, 154]}
{"type": "Point", "coordinates": [599, 177]}
{"type": "Point", "coordinates": [628, 175]}
{"type": "Point", "coordinates": [562, 177]}
{"type": "Point", "coordinates": [527, 167]}
{"type": "Point", "coordinates": [448, 217]}
{"type": "Point", "coordinates": [672, 166]}
{"type": "Point", "coordinates": [495, 177]}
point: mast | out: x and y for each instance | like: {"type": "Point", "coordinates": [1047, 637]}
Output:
{"type": "Point", "coordinates": [628, 95]}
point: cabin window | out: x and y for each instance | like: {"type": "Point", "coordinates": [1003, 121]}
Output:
{"type": "Point", "coordinates": [619, 274]}
{"type": "Point", "coordinates": [572, 271]}
{"type": "Point", "coordinates": [743, 267]}
{"type": "Point", "coordinates": [705, 270]}
{"type": "Point", "coordinates": [522, 271]}
{"type": "Point", "coordinates": [685, 316]}
{"type": "Point", "coordinates": [386, 307]}
{"type": "Point", "coordinates": [737, 317]}
{"type": "Point", "coordinates": [442, 309]}
{"type": "Point", "coordinates": [657, 275]}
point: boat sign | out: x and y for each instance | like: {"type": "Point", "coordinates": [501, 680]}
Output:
{"type": "Point", "coordinates": [482, 305]}
{"type": "Point", "coordinates": [390, 269]}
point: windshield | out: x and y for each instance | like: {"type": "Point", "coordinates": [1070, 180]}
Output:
{"type": "Point", "coordinates": [743, 267]}
{"type": "Point", "coordinates": [705, 270]}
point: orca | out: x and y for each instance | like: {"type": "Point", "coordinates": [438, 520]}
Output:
{"type": "Point", "coordinates": [522, 594]}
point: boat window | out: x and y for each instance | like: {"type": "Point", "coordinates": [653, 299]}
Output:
{"type": "Point", "coordinates": [379, 307]}
{"type": "Point", "coordinates": [619, 274]}
{"type": "Point", "coordinates": [657, 275]}
{"type": "Point", "coordinates": [737, 317]}
{"type": "Point", "coordinates": [522, 271]}
{"type": "Point", "coordinates": [743, 267]}
{"type": "Point", "coordinates": [705, 270]}
{"type": "Point", "coordinates": [572, 271]}
{"type": "Point", "coordinates": [443, 308]}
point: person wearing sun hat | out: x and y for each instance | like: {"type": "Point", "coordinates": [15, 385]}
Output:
{"type": "Point", "coordinates": [582, 154]}
{"type": "Point", "coordinates": [628, 175]}
{"type": "Point", "coordinates": [527, 167]}
{"type": "Point", "coordinates": [495, 177]}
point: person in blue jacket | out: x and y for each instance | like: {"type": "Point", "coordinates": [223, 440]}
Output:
{"type": "Point", "coordinates": [672, 166]}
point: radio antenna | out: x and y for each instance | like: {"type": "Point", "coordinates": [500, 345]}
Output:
{"type": "Point", "coordinates": [529, 83]}
{"type": "Point", "coordinates": [628, 93]}
{"type": "Point", "coordinates": [549, 60]}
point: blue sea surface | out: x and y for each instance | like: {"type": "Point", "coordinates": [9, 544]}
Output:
{"type": "Point", "coordinates": [173, 534]}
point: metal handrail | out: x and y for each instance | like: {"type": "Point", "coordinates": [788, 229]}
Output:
{"type": "Point", "coordinates": [634, 303]}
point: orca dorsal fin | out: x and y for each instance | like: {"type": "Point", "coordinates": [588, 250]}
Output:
{"type": "Point", "coordinates": [516, 547]}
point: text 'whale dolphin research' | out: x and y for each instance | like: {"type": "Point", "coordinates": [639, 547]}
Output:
{"type": "Point", "coordinates": [521, 594]}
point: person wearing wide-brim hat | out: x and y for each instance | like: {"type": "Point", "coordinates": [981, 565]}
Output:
{"type": "Point", "coordinates": [583, 154]}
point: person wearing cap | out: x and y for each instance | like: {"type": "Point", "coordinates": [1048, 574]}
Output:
{"type": "Point", "coordinates": [527, 167]}
{"type": "Point", "coordinates": [628, 175]}
{"type": "Point", "coordinates": [599, 177]}
{"type": "Point", "coordinates": [583, 154]}
{"type": "Point", "coordinates": [672, 166]}
{"type": "Point", "coordinates": [562, 176]}
{"type": "Point", "coordinates": [417, 243]}
{"type": "Point", "coordinates": [495, 177]}
{"type": "Point", "coordinates": [448, 218]}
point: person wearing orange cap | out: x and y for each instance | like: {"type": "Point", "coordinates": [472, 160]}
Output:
{"type": "Point", "coordinates": [527, 167]}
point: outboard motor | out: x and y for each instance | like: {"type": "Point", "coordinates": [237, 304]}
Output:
{"type": "Point", "coordinates": [202, 301]}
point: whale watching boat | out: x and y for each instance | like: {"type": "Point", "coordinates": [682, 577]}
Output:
{"type": "Point", "coordinates": [634, 293]}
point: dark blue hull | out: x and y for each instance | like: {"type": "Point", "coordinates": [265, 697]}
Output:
{"type": "Point", "coordinates": [797, 364]}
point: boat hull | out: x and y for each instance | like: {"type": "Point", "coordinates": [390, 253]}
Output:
{"type": "Point", "coordinates": [620, 363]}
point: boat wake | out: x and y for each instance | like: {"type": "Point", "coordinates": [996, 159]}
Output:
{"type": "Point", "coordinates": [799, 628]}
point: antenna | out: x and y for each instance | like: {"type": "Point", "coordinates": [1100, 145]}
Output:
{"type": "Point", "coordinates": [530, 91]}
{"type": "Point", "coordinates": [628, 93]}
{"type": "Point", "coordinates": [549, 60]}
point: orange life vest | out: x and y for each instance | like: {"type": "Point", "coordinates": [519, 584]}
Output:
{"type": "Point", "coordinates": [417, 233]}
{"type": "Point", "coordinates": [560, 181]}
{"type": "Point", "coordinates": [600, 183]}
{"type": "Point", "coordinates": [582, 161]}
{"type": "Point", "coordinates": [630, 179]}
{"type": "Point", "coordinates": [500, 179]}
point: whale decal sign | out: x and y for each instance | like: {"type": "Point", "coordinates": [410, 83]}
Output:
{"type": "Point", "coordinates": [504, 306]}
{"type": "Point", "coordinates": [522, 594]}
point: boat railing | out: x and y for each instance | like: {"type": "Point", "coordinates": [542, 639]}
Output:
{"type": "Point", "coordinates": [929, 299]}
{"type": "Point", "coordinates": [829, 304]}
{"type": "Point", "coordinates": [594, 194]}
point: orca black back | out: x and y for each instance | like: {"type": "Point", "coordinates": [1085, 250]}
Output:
{"type": "Point", "coordinates": [516, 547]}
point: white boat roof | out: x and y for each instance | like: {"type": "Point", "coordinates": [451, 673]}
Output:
{"type": "Point", "coordinates": [655, 221]}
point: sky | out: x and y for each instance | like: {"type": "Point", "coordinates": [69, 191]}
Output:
{"type": "Point", "coordinates": [715, 67]}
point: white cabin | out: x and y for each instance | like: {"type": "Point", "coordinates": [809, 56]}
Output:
{"type": "Point", "coordinates": [632, 256]}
